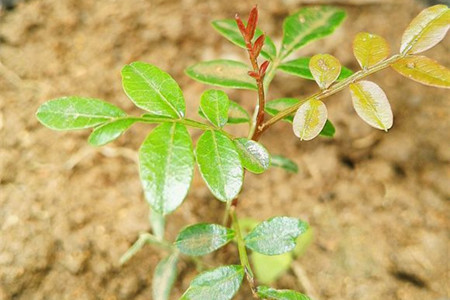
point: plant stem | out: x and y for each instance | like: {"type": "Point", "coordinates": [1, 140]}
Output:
{"type": "Point", "coordinates": [226, 215]}
{"type": "Point", "coordinates": [187, 122]}
{"type": "Point", "coordinates": [258, 115]}
{"type": "Point", "coordinates": [143, 239]}
{"type": "Point", "coordinates": [243, 252]}
{"type": "Point", "coordinates": [332, 90]}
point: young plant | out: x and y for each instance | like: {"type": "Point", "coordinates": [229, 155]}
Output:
{"type": "Point", "coordinates": [167, 156]}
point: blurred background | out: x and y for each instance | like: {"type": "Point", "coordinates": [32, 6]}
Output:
{"type": "Point", "coordinates": [378, 203]}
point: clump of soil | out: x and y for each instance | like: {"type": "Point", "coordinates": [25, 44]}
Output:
{"type": "Point", "coordinates": [378, 202]}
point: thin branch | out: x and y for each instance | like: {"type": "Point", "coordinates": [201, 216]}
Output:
{"type": "Point", "coordinates": [332, 90]}
{"type": "Point", "coordinates": [243, 252]}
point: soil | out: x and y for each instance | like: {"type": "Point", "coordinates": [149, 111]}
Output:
{"type": "Point", "coordinates": [378, 203]}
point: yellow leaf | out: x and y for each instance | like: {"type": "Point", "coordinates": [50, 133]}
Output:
{"type": "Point", "coordinates": [424, 70]}
{"type": "Point", "coordinates": [309, 119]}
{"type": "Point", "coordinates": [426, 30]}
{"type": "Point", "coordinates": [325, 69]}
{"type": "Point", "coordinates": [371, 104]}
{"type": "Point", "coordinates": [369, 49]}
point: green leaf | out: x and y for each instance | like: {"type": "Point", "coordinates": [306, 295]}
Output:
{"type": "Point", "coordinates": [228, 28]}
{"type": "Point", "coordinates": [269, 268]}
{"type": "Point", "coordinates": [325, 69]}
{"type": "Point", "coordinates": [310, 119]}
{"type": "Point", "coordinates": [201, 239]}
{"type": "Point", "coordinates": [369, 49]}
{"type": "Point", "coordinates": [424, 70]}
{"type": "Point", "coordinates": [164, 277]}
{"type": "Point", "coordinates": [237, 114]}
{"type": "Point", "coordinates": [110, 131]}
{"type": "Point", "coordinates": [218, 284]}
{"type": "Point", "coordinates": [158, 224]}
{"type": "Point", "coordinates": [328, 129]}
{"type": "Point", "coordinates": [166, 166]}
{"type": "Point", "coordinates": [300, 67]}
{"type": "Point", "coordinates": [309, 24]}
{"type": "Point", "coordinates": [270, 293]}
{"type": "Point", "coordinates": [426, 30]}
{"type": "Point", "coordinates": [371, 104]}
{"type": "Point", "coordinates": [223, 73]}
{"type": "Point", "coordinates": [220, 165]}
{"type": "Point", "coordinates": [214, 105]}
{"type": "Point", "coordinates": [254, 156]}
{"type": "Point", "coordinates": [303, 243]}
{"type": "Point", "coordinates": [284, 163]}
{"type": "Point", "coordinates": [70, 113]}
{"type": "Point", "coordinates": [153, 90]}
{"type": "Point", "coordinates": [275, 236]}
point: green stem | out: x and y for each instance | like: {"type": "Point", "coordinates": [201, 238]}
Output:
{"type": "Point", "coordinates": [332, 90]}
{"type": "Point", "coordinates": [188, 122]}
{"type": "Point", "coordinates": [226, 215]}
{"type": "Point", "coordinates": [242, 251]}
{"type": "Point", "coordinates": [143, 239]}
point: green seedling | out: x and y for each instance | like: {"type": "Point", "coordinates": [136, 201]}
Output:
{"type": "Point", "coordinates": [168, 155]}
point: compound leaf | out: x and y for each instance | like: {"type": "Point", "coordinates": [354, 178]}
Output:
{"type": "Point", "coordinates": [69, 113]}
{"type": "Point", "coordinates": [237, 114]}
{"type": "Point", "coordinates": [275, 236]}
{"type": "Point", "coordinates": [285, 163]}
{"type": "Point", "coordinates": [223, 73]}
{"type": "Point", "coordinates": [164, 277]}
{"type": "Point", "coordinates": [309, 24]}
{"type": "Point", "coordinates": [153, 90]}
{"type": "Point", "coordinates": [310, 119]}
{"type": "Point", "coordinates": [424, 70]}
{"type": "Point", "coordinates": [300, 67]}
{"type": "Point", "coordinates": [325, 69]}
{"type": "Point", "coordinates": [271, 293]}
{"type": "Point", "coordinates": [166, 163]}
{"type": "Point", "coordinates": [254, 156]}
{"type": "Point", "coordinates": [371, 104]}
{"type": "Point", "coordinates": [369, 49]}
{"type": "Point", "coordinates": [214, 105]}
{"type": "Point", "coordinates": [110, 131]}
{"type": "Point", "coordinates": [218, 284]}
{"type": "Point", "coordinates": [229, 29]}
{"type": "Point", "coordinates": [426, 30]}
{"type": "Point", "coordinates": [201, 239]}
{"type": "Point", "coordinates": [219, 164]}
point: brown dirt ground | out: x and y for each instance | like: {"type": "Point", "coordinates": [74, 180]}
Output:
{"type": "Point", "coordinates": [378, 202]}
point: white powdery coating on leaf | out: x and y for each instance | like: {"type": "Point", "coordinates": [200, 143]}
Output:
{"type": "Point", "coordinates": [374, 108]}
{"type": "Point", "coordinates": [310, 119]}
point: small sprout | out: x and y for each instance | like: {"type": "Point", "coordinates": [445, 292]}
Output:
{"type": "Point", "coordinates": [167, 157]}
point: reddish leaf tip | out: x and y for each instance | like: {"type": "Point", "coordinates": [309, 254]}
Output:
{"type": "Point", "coordinates": [241, 26]}
{"type": "Point", "coordinates": [252, 21]}
{"type": "Point", "coordinates": [263, 68]}
{"type": "Point", "coordinates": [253, 74]}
